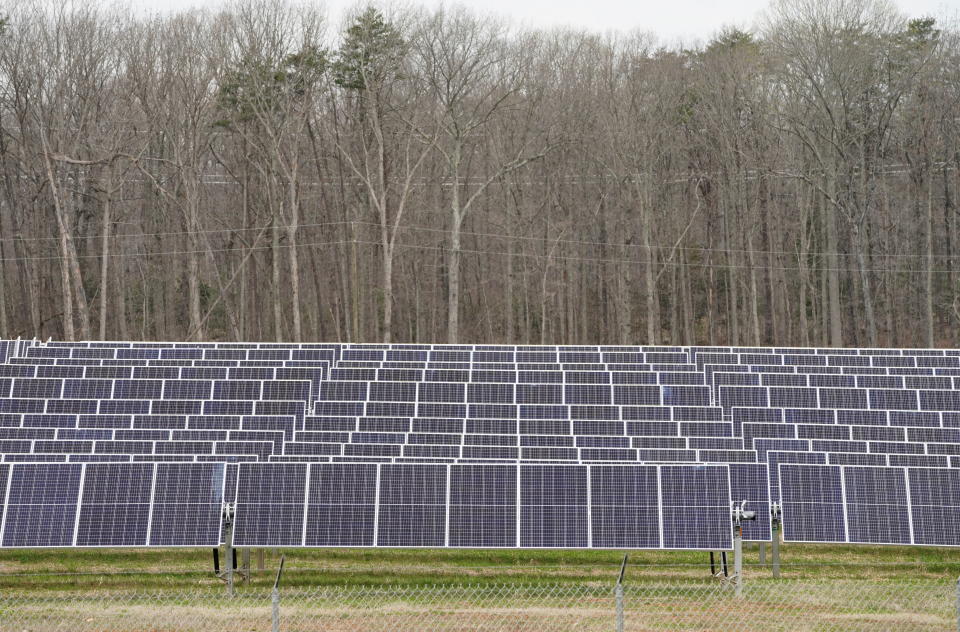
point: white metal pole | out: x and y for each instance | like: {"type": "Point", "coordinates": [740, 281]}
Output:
{"type": "Point", "coordinates": [738, 558]}
{"type": "Point", "coordinates": [228, 524]}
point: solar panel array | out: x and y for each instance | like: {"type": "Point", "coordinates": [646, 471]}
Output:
{"type": "Point", "coordinates": [483, 505]}
{"type": "Point", "coordinates": [870, 505]}
{"type": "Point", "coordinates": [408, 419]}
{"type": "Point", "coordinates": [111, 504]}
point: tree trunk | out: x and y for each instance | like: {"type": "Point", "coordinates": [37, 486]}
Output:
{"type": "Point", "coordinates": [754, 293]}
{"type": "Point", "coordinates": [275, 267]}
{"type": "Point", "coordinates": [649, 276]}
{"type": "Point", "coordinates": [193, 266]}
{"type": "Point", "coordinates": [294, 257]}
{"type": "Point", "coordinates": [453, 271]}
{"type": "Point", "coordinates": [833, 312]}
{"type": "Point", "coordinates": [64, 242]}
{"type": "Point", "coordinates": [387, 289]}
{"type": "Point", "coordinates": [930, 340]}
{"type": "Point", "coordinates": [860, 247]}
{"type": "Point", "coordinates": [105, 256]}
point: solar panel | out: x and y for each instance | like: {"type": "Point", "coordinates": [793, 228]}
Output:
{"type": "Point", "coordinates": [934, 496]}
{"type": "Point", "coordinates": [625, 507]}
{"type": "Point", "coordinates": [115, 505]}
{"type": "Point", "coordinates": [812, 503]}
{"type": "Point", "coordinates": [553, 506]}
{"type": "Point", "coordinates": [876, 505]}
{"type": "Point", "coordinates": [270, 504]}
{"type": "Point", "coordinates": [483, 506]}
{"type": "Point", "coordinates": [696, 507]}
{"type": "Point", "coordinates": [341, 505]}
{"type": "Point", "coordinates": [187, 504]}
{"type": "Point", "coordinates": [749, 481]}
{"type": "Point", "coordinates": [412, 505]}
{"type": "Point", "coordinates": [41, 507]}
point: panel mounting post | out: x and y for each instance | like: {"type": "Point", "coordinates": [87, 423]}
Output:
{"type": "Point", "coordinates": [231, 554]}
{"type": "Point", "coordinates": [740, 514]}
{"type": "Point", "coordinates": [738, 560]}
{"type": "Point", "coordinates": [775, 545]}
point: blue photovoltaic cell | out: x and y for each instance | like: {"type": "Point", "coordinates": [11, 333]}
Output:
{"type": "Point", "coordinates": [41, 505]}
{"type": "Point", "coordinates": [775, 458]}
{"type": "Point", "coordinates": [811, 498]}
{"type": "Point", "coordinates": [935, 506]}
{"type": "Point", "coordinates": [749, 481]}
{"type": "Point", "coordinates": [412, 505]}
{"type": "Point", "coordinates": [876, 505]}
{"type": "Point", "coordinates": [483, 506]}
{"type": "Point", "coordinates": [696, 507]}
{"type": "Point", "coordinates": [270, 504]}
{"type": "Point", "coordinates": [115, 505]}
{"type": "Point", "coordinates": [187, 504]}
{"type": "Point", "coordinates": [4, 477]}
{"type": "Point", "coordinates": [553, 506]}
{"type": "Point", "coordinates": [625, 507]}
{"type": "Point", "coordinates": [341, 504]}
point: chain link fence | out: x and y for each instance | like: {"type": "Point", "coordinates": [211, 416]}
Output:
{"type": "Point", "coordinates": [764, 605]}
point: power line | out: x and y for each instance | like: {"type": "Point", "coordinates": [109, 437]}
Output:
{"type": "Point", "coordinates": [180, 232]}
{"type": "Point", "coordinates": [670, 248]}
{"type": "Point", "coordinates": [499, 253]}
{"type": "Point", "coordinates": [446, 231]}
{"type": "Point", "coordinates": [503, 253]}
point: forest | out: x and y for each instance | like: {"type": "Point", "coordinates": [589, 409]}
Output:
{"type": "Point", "coordinates": [263, 171]}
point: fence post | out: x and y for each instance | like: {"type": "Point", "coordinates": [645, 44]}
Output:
{"type": "Point", "coordinates": [618, 594]}
{"type": "Point", "coordinates": [958, 604]}
{"type": "Point", "coordinates": [275, 596]}
{"type": "Point", "coordinates": [275, 603]}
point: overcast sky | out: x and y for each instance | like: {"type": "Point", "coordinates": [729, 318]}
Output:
{"type": "Point", "coordinates": [671, 20]}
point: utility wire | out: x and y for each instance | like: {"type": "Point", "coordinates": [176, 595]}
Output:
{"type": "Point", "coordinates": [498, 253]}
{"type": "Point", "coordinates": [446, 231]}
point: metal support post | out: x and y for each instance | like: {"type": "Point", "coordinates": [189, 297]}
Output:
{"type": "Point", "coordinates": [618, 593]}
{"type": "Point", "coordinates": [260, 567]}
{"type": "Point", "coordinates": [231, 556]}
{"type": "Point", "coordinates": [738, 559]}
{"type": "Point", "coordinates": [245, 564]}
{"type": "Point", "coordinates": [763, 553]}
{"type": "Point", "coordinates": [739, 513]}
{"type": "Point", "coordinates": [775, 550]}
{"type": "Point", "coordinates": [958, 604]}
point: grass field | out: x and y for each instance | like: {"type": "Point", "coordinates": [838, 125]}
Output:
{"type": "Point", "coordinates": [147, 569]}
{"type": "Point", "coordinates": [824, 589]}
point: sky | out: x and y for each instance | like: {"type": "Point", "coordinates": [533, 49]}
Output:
{"type": "Point", "coordinates": [671, 20]}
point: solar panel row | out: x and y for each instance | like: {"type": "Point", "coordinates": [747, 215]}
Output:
{"type": "Point", "coordinates": [870, 505]}
{"type": "Point", "coordinates": [484, 505]}
{"type": "Point", "coordinates": [111, 505]}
